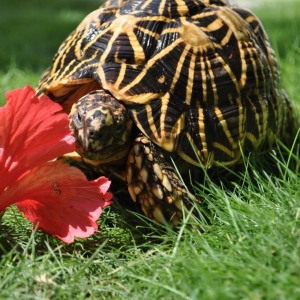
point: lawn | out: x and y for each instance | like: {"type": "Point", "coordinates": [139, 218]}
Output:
{"type": "Point", "coordinates": [246, 247]}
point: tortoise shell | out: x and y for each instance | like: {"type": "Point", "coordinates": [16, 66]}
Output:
{"type": "Point", "coordinates": [198, 78]}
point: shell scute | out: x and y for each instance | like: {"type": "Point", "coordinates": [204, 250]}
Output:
{"type": "Point", "coordinates": [197, 77]}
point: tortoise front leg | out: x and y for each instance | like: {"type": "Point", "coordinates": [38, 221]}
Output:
{"type": "Point", "coordinates": [154, 184]}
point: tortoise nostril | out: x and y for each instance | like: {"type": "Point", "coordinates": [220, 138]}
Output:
{"type": "Point", "coordinates": [93, 134]}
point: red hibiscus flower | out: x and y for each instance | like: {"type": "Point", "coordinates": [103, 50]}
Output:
{"type": "Point", "coordinates": [57, 198]}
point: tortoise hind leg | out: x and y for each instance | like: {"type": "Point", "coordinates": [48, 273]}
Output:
{"type": "Point", "coordinates": [154, 184]}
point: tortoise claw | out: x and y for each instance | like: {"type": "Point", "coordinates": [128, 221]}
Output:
{"type": "Point", "coordinates": [154, 183]}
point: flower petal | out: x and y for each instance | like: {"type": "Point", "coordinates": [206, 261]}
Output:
{"type": "Point", "coordinates": [60, 200]}
{"type": "Point", "coordinates": [32, 131]}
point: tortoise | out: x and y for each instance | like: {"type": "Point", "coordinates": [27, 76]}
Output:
{"type": "Point", "coordinates": [155, 82]}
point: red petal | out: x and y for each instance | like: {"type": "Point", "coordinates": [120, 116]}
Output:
{"type": "Point", "coordinates": [60, 200]}
{"type": "Point", "coordinates": [32, 131]}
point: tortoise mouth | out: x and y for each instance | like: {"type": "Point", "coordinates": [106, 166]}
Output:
{"type": "Point", "coordinates": [108, 154]}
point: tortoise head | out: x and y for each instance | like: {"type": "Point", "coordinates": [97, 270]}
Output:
{"type": "Point", "coordinates": [101, 127]}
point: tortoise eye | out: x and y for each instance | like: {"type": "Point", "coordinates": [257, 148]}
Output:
{"type": "Point", "coordinates": [77, 120]}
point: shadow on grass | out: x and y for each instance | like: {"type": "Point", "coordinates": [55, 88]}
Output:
{"type": "Point", "coordinates": [121, 227]}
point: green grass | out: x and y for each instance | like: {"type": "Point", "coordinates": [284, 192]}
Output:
{"type": "Point", "coordinates": [33, 30]}
{"type": "Point", "coordinates": [248, 247]}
